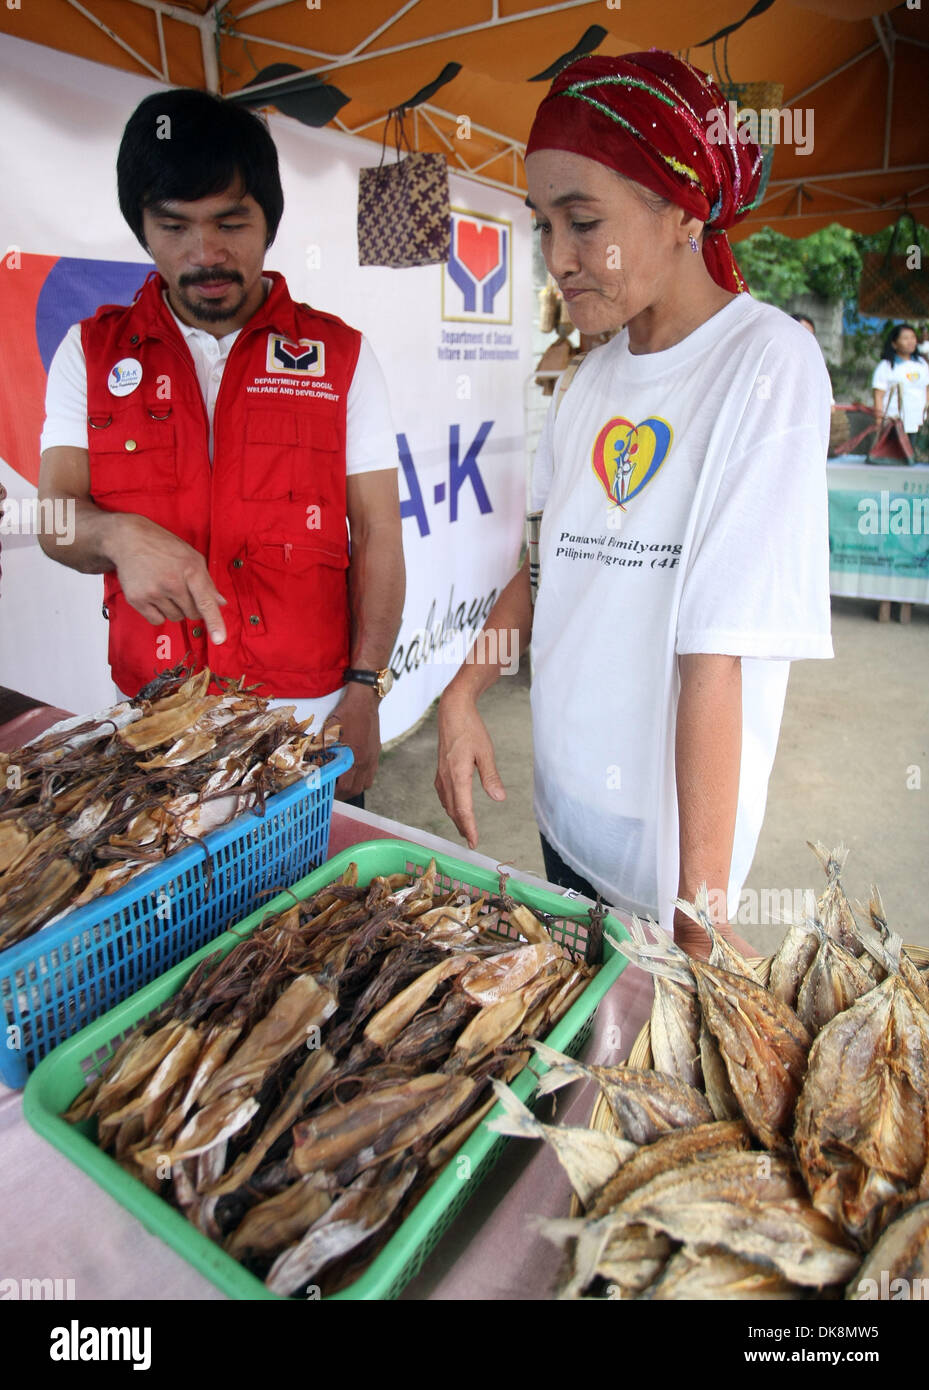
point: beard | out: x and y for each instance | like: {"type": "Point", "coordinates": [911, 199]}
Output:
{"type": "Point", "coordinates": [212, 312]}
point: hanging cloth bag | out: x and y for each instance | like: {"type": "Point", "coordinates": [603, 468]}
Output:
{"type": "Point", "coordinates": [403, 210]}
{"type": "Point", "coordinates": [889, 287]}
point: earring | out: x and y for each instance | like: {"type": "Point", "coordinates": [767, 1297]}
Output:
{"type": "Point", "coordinates": [693, 244]}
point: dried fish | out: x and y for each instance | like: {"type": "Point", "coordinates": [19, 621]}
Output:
{"type": "Point", "coordinates": [669, 1152]}
{"type": "Point", "coordinates": [306, 1158]}
{"type": "Point", "coordinates": [61, 829]}
{"type": "Point", "coordinates": [719, 1093]}
{"type": "Point", "coordinates": [752, 1205]}
{"type": "Point", "coordinates": [898, 1266]}
{"type": "Point", "coordinates": [675, 1032]}
{"type": "Point", "coordinates": [588, 1156]}
{"type": "Point", "coordinates": [862, 1132]}
{"type": "Point", "coordinates": [834, 909]}
{"type": "Point", "coordinates": [277, 1222]}
{"type": "Point", "coordinates": [303, 1005]}
{"type": "Point", "coordinates": [627, 1257]}
{"type": "Point", "coordinates": [714, 1275]}
{"type": "Point", "coordinates": [723, 954]}
{"type": "Point", "coordinates": [355, 1216]}
{"type": "Point", "coordinates": [644, 1103]}
{"type": "Point", "coordinates": [833, 981]}
{"type": "Point", "coordinates": [792, 960]}
{"type": "Point", "coordinates": [764, 1047]}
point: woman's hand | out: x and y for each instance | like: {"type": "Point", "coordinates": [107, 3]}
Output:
{"type": "Point", "coordinates": [691, 937]}
{"type": "Point", "coordinates": [464, 744]}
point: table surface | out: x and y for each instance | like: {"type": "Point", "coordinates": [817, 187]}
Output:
{"type": "Point", "coordinates": [57, 1223]}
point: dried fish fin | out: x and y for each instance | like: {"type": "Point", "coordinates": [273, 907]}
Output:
{"type": "Point", "coordinates": [588, 1156]}
{"type": "Point", "coordinates": [723, 953]}
{"type": "Point", "coordinates": [834, 909]}
{"type": "Point", "coordinates": [665, 958]}
{"type": "Point", "coordinates": [896, 950]}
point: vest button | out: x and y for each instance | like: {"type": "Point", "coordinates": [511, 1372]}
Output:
{"type": "Point", "coordinates": [130, 445]}
{"type": "Point", "coordinates": [197, 632]}
{"type": "Point", "coordinates": [237, 564]}
{"type": "Point", "coordinates": [254, 619]}
{"type": "Point", "coordinates": [134, 339]}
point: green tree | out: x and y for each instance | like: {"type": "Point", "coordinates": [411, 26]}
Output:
{"type": "Point", "coordinates": [827, 263]}
{"type": "Point", "coordinates": [773, 266]}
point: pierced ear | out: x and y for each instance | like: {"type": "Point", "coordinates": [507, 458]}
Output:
{"type": "Point", "coordinates": [691, 226]}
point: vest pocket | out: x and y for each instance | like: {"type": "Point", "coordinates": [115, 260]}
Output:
{"type": "Point", "coordinates": [293, 601]}
{"type": "Point", "coordinates": [131, 457]}
{"type": "Point", "coordinates": [278, 458]}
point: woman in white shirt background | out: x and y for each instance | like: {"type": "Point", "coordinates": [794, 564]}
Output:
{"type": "Point", "coordinates": [901, 379]}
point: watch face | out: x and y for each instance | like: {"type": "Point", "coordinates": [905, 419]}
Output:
{"type": "Point", "coordinates": [385, 681]}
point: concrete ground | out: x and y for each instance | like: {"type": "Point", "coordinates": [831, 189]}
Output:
{"type": "Point", "coordinates": [852, 766]}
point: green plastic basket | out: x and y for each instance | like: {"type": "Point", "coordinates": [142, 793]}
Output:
{"type": "Point", "coordinates": [63, 1073]}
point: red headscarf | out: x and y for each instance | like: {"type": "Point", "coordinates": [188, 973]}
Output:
{"type": "Point", "coordinates": [657, 120]}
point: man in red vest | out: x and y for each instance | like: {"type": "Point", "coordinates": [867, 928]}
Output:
{"type": "Point", "coordinates": [229, 452]}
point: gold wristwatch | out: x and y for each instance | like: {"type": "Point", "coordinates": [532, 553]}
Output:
{"type": "Point", "coordinates": [380, 680]}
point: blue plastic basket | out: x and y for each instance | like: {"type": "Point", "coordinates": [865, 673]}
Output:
{"type": "Point", "coordinates": [65, 976]}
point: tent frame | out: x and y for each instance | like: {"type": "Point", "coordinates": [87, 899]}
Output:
{"type": "Point", "coordinates": [211, 24]}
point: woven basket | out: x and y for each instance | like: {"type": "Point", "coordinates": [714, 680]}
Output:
{"type": "Point", "coordinates": [758, 97]}
{"type": "Point", "coordinates": [640, 1055]}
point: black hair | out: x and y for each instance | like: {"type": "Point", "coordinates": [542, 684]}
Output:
{"type": "Point", "coordinates": [888, 353]}
{"type": "Point", "coordinates": [804, 318]}
{"type": "Point", "coordinates": [186, 144]}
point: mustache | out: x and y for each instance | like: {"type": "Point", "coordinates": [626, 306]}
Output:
{"type": "Point", "coordinates": [211, 277]}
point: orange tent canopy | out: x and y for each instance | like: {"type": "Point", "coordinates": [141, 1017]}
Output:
{"type": "Point", "coordinates": [853, 71]}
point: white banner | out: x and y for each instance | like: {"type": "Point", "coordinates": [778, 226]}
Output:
{"type": "Point", "coordinates": [454, 343]}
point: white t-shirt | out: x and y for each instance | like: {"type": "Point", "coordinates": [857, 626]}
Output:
{"type": "Point", "coordinates": [717, 448]}
{"type": "Point", "coordinates": [370, 442]}
{"type": "Point", "coordinates": [912, 376]}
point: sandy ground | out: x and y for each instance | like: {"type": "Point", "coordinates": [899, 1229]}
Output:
{"type": "Point", "coordinates": [852, 766]}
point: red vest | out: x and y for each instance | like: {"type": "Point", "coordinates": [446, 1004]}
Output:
{"type": "Point", "coordinates": [268, 517]}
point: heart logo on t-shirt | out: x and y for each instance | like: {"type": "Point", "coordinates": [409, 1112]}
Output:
{"type": "Point", "coordinates": [626, 456]}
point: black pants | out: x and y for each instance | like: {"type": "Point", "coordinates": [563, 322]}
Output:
{"type": "Point", "coordinates": [557, 871]}
{"type": "Point", "coordinates": [358, 800]}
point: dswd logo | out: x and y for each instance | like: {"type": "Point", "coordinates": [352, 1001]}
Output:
{"type": "Point", "coordinates": [477, 278]}
{"type": "Point", "coordinates": [303, 358]}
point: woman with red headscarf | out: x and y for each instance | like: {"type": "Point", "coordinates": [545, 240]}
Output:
{"type": "Point", "coordinates": [684, 540]}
